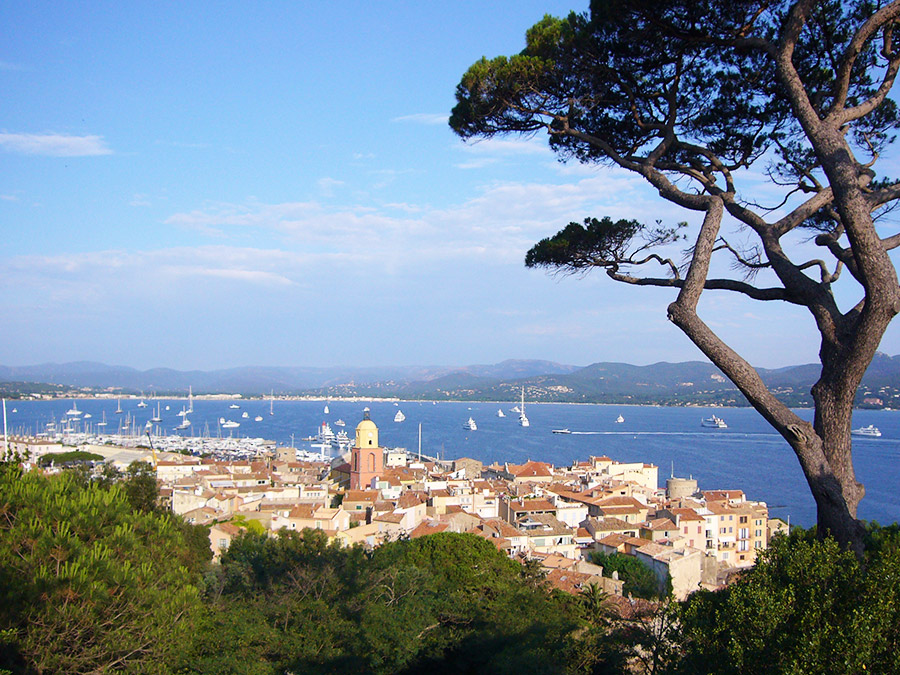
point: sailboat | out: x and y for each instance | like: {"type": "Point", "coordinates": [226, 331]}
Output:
{"type": "Point", "coordinates": [103, 423]}
{"type": "Point", "coordinates": [523, 420]}
{"type": "Point", "coordinates": [272, 403]}
{"type": "Point", "coordinates": [74, 411]}
{"type": "Point", "coordinates": [500, 412]}
{"type": "Point", "coordinates": [156, 418]}
{"type": "Point", "coordinates": [326, 408]}
{"type": "Point", "coordinates": [190, 407]}
{"type": "Point", "coordinates": [119, 410]}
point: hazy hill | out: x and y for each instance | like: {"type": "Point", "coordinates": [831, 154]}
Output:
{"type": "Point", "coordinates": [669, 383]}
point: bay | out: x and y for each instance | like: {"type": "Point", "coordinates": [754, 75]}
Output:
{"type": "Point", "coordinates": [747, 455]}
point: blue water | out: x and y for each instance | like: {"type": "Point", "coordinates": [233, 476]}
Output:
{"type": "Point", "coordinates": [747, 455]}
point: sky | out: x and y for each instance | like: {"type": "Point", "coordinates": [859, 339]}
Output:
{"type": "Point", "coordinates": [275, 184]}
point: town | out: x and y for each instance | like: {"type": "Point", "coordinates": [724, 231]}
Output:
{"type": "Point", "coordinates": [368, 495]}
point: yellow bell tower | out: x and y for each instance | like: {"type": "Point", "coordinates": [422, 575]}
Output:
{"type": "Point", "coordinates": [366, 456]}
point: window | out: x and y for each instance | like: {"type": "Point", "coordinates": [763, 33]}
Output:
{"type": "Point", "coordinates": [743, 545]}
{"type": "Point", "coordinates": [757, 544]}
{"type": "Point", "coordinates": [730, 517]}
{"type": "Point", "coordinates": [743, 533]}
{"type": "Point", "coordinates": [757, 533]}
{"type": "Point", "coordinates": [743, 519]}
{"type": "Point", "coordinates": [223, 543]}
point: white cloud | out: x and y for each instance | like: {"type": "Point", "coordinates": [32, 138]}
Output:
{"type": "Point", "coordinates": [54, 145]}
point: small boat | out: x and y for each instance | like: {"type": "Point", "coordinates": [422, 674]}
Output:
{"type": "Point", "coordinates": [620, 419]}
{"type": "Point", "coordinates": [142, 404]}
{"type": "Point", "coordinates": [470, 425]}
{"type": "Point", "coordinates": [185, 423]}
{"type": "Point", "coordinates": [245, 414]}
{"type": "Point", "coordinates": [713, 422]}
{"type": "Point", "coordinates": [234, 406]}
{"type": "Point", "coordinates": [340, 423]}
{"type": "Point", "coordinates": [500, 412]}
{"type": "Point", "coordinates": [119, 410]}
{"type": "Point", "coordinates": [156, 418]}
{"type": "Point", "coordinates": [399, 417]}
{"type": "Point", "coordinates": [258, 418]}
{"type": "Point", "coordinates": [561, 431]}
{"type": "Point", "coordinates": [230, 425]}
{"type": "Point", "coordinates": [870, 430]}
{"type": "Point", "coordinates": [326, 411]}
{"type": "Point", "coordinates": [103, 423]}
{"type": "Point", "coordinates": [73, 411]}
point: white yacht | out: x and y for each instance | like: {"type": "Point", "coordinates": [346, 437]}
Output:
{"type": "Point", "coordinates": [230, 424]}
{"type": "Point", "coordinates": [870, 430]}
{"type": "Point", "coordinates": [523, 420]}
{"type": "Point", "coordinates": [713, 422]}
{"type": "Point", "coordinates": [620, 419]}
{"type": "Point", "coordinates": [340, 423]}
{"type": "Point", "coordinates": [399, 417]}
{"type": "Point", "coordinates": [470, 425]}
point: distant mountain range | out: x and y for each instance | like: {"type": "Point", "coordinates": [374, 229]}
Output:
{"type": "Point", "coordinates": [692, 382]}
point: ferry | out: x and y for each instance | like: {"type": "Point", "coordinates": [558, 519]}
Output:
{"type": "Point", "coordinates": [713, 422]}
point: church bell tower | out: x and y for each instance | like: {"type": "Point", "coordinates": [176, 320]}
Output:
{"type": "Point", "coordinates": [366, 456]}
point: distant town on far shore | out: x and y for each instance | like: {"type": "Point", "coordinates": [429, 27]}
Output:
{"type": "Point", "coordinates": [687, 383]}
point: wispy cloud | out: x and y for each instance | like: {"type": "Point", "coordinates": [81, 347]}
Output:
{"type": "Point", "coordinates": [54, 145]}
{"type": "Point", "coordinates": [498, 225]}
{"type": "Point", "coordinates": [327, 185]}
{"type": "Point", "coordinates": [424, 118]}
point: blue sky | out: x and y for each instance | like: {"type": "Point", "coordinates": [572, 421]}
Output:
{"type": "Point", "coordinates": [276, 184]}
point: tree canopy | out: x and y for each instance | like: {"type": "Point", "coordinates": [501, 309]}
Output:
{"type": "Point", "coordinates": [699, 98]}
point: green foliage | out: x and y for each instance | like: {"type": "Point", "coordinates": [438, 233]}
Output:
{"type": "Point", "coordinates": [806, 607]}
{"type": "Point", "coordinates": [86, 583]}
{"type": "Point", "coordinates": [72, 457]}
{"type": "Point", "coordinates": [445, 602]}
{"type": "Point", "coordinates": [141, 487]}
{"type": "Point", "coordinates": [639, 580]}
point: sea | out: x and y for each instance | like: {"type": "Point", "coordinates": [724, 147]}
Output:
{"type": "Point", "coordinates": [747, 455]}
